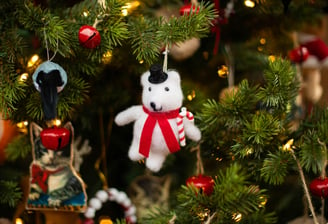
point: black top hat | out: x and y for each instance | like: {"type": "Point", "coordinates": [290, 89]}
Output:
{"type": "Point", "coordinates": [156, 74]}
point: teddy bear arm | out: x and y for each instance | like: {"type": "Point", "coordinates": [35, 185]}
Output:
{"type": "Point", "coordinates": [129, 115]}
{"type": "Point", "coordinates": [192, 132]}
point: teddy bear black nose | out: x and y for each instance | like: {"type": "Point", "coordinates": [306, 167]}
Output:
{"type": "Point", "coordinates": [153, 105]}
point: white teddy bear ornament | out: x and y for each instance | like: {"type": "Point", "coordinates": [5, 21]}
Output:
{"type": "Point", "coordinates": [158, 123]}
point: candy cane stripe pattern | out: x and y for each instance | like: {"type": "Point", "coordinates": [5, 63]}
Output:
{"type": "Point", "coordinates": [111, 194]}
{"type": "Point", "coordinates": [189, 116]}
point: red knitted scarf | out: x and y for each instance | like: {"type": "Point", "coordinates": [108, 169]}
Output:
{"type": "Point", "coordinates": [40, 176]}
{"type": "Point", "coordinates": [148, 128]}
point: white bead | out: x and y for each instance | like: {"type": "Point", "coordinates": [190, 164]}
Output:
{"type": "Point", "coordinates": [102, 195]}
{"type": "Point", "coordinates": [95, 203]}
{"type": "Point", "coordinates": [126, 203]}
{"type": "Point", "coordinates": [131, 211]}
{"type": "Point", "coordinates": [90, 213]}
{"type": "Point", "coordinates": [133, 218]}
{"type": "Point", "coordinates": [112, 193]}
{"type": "Point", "coordinates": [121, 197]}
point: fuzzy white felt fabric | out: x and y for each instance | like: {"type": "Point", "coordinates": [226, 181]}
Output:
{"type": "Point", "coordinates": [156, 98]}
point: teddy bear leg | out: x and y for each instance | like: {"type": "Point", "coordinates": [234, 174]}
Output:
{"type": "Point", "coordinates": [134, 154]}
{"type": "Point", "coordinates": [155, 161]}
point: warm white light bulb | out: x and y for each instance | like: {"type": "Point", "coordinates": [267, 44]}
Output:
{"type": "Point", "coordinates": [124, 12]}
{"type": "Point", "coordinates": [19, 221]}
{"type": "Point", "coordinates": [23, 77]}
{"type": "Point", "coordinates": [33, 60]}
{"type": "Point", "coordinates": [57, 122]}
{"type": "Point", "coordinates": [249, 3]}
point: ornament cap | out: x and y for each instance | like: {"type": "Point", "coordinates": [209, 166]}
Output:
{"type": "Point", "coordinates": [157, 75]}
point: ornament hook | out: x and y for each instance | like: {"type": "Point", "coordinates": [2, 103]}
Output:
{"type": "Point", "coordinates": [166, 52]}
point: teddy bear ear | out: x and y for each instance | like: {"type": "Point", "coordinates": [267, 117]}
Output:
{"type": "Point", "coordinates": [174, 76]}
{"type": "Point", "coordinates": [144, 78]}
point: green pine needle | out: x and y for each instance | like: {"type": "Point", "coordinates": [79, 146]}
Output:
{"type": "Point", "coordinates": [22, 142]}
{"type": "Point", "coordinates": [281, 86]}
{"type": "Point", "coordinates": [10, 193]}
{"type": "Point", "coordinates": [258, 135]}
{"type": "Point", "coordinates": [275, 167]}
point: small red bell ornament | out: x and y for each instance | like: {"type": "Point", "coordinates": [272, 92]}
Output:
{"type": "Point", "coordinates": [319, 187]}
{"type": "Point", "coordinates": [201, 182]}
{"type": "Point", "coordinates": [55, 138]}
{"type": "Point", "coordinates": [89, 37]}
{"type": "Point", "coordinates": [299, 54]}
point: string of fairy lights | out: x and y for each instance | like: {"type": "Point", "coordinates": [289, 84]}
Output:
{"type": "Point", "coordinates": [35, 59]}
{"type": "Point", "coordinates": [128, 8]}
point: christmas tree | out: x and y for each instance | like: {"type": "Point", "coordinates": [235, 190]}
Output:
{"type": "Point", "coordinates": [250, 72]}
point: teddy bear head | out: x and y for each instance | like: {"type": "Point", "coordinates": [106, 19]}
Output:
{"type": "Point", "coordinates": [161, 91]}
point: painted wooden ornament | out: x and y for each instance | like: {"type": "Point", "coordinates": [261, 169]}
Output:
{"type": "Point", "coordinates": [54, 185]}
{"type": "Point", "coordinates": [55, 138]}
{"type": "Point", "coordinates": [89, 37]}
{"type": "Point", "coordinates": [201, 182]}
{"type": "Point", "coordinates": [7, 132]}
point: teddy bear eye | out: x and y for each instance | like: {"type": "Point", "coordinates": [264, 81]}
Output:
{"type": "Point", "coordinates": [149, 89]}
{"type": "Point", "coordinates": [166, 88]}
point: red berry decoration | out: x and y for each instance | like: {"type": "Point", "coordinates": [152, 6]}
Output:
{"type": "Point", "coordinates": [89, 37]}
{"type": "Point", "coordinates": [299, 54]}
{"type": "Point", "coordinates": [203, 183]}
{"type": "Point", "coordinates": [319, 187]}
{"type": "Point", "coordinates": [55, 138]}
{"type": "Point", "coordinates": [186, 9]}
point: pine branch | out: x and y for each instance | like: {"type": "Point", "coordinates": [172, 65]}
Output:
{"type": "Point", "coordinates": [148, 35]}
{"type": "Point", "coordinates": [233, 194]}
{"type": "Point", "coordinates": [231, 112]}
{"type": "Point", "coordinates": [144, 42]}
{"type": "Point", "coordinates": [120, 221]}
{"type": "Point", "coordinates": [12, 90]}
{"type": "Point", "coordinates": [259, 217]}
{"type": "Point", "coordinates": [158, 216]}
{"type": "Point", "coordinates": [275, 167]}
{"type": "Point", "coordinates": [50, 28]}
{"type": "Point", "coordinates": [311, 151]}
{"type": "Point", "coordinates": [10, 193]}
{"type": "Point", "coordinates": [22, 142]}
{"type": "Point", "coordinates": [281, 86]}
{"type": "Point", "coordinates": [258, 135]}
{"type": "Point", "coordinates": [311, 154]}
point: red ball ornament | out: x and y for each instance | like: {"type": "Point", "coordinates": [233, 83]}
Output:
{"type": "Point", "coordinates": [299, 54]}
{"type": "Point", "coordinates": [55, 138]}
{"type": "Point", "coordinates": [7, 132]}
{"type": "Point", "coordinates": [319, 187]}
{"type": "Point", "coordinates": [203, 183]}
{"type": "Point", "coordinates": [186, 9]}
{"type": "Point", "coordinates": [89, 37]}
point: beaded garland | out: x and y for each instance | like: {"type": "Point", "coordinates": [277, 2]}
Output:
{"type": "Point", "coordinates": [111, 194]}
